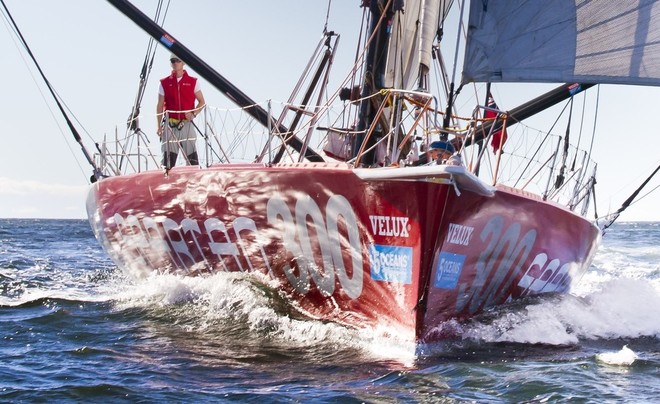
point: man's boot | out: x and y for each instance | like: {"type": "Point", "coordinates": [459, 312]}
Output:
{"type": "Point", "coordinates": [169, 160]}
{"type": "Point", "coordinates": [193, 160]}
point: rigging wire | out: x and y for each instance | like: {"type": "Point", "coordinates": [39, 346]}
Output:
{"type": "Point", "coordinates": [327, 17]}
{"type": "Point", "coordinates": [538, 150]}
{"type": "Point", "coordinates": [591, 147]}
{"type": "Point", "coordinates": [577, 145]}
{"type": "Point", "coordinates": [614, 216]}
{"type": "Point", "coordinates": [96, 172]}
{"type": "Point", "coordinates": [149, 59]}
{"type": "Point", "coordinates": [16, 34]}
{"type": "Point", "coordinates": [132, 123]}
{"type": "Point", "coordinates": [44, 98]}
{"type": "Point", "coordinates": [559, 180]}
{"type": "Point", "coordinates": [358, 66]}
{"type": "Point", "coordinates": [593, 134]}
{"type": "Point", "coordinates": [645, 195]}
{"type": "Point", "coordinates": [40, 90]}
{"type": "Point", "coordinates": [592, 180]}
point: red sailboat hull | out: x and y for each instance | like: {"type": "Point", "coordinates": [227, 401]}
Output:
{"type": "Point", "coordinates": [406, 251]}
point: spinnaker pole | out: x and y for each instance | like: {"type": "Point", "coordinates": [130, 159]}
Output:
{"type": "Point", "coordinates": [614, 216]}
{"type": "Point", "coordinates": [208, 73]}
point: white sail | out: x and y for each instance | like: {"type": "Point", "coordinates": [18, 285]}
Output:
{"type": "Point", "coordinates": [591, 41]}
{"type": "Point", "coordinates": [413, 30]}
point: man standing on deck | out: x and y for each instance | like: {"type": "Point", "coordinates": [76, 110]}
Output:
{"type": "Point", "coordinates": [176, 96]}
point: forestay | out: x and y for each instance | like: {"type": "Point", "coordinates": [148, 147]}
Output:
{"type": "Point", "coordinates": [588, 41]}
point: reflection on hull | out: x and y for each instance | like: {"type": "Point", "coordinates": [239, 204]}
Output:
{"type": "Point", "coordinates": [406, 250]}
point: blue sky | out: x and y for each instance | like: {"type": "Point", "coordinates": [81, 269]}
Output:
{"type": "Point", "coordinates": [92, 55]}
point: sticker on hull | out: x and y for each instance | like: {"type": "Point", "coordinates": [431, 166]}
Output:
{"type": "Point", "coordinates": [391, 263]}
{"type": "Point", "coordinates": [448, 270]}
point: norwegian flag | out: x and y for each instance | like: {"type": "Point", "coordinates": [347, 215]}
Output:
{"type": "Point", "coordinates": [499, 137]}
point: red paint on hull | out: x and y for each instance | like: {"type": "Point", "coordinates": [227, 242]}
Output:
{"type": "Point", "coordinates": [407, 254]}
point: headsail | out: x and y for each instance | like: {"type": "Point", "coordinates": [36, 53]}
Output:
{"type": "Point", "coordinates": [588, 41]}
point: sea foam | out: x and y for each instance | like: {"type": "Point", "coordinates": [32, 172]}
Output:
{"type": "Point", "coordinates": [624, 357]}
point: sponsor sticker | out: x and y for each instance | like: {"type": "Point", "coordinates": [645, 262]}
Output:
{"type": "Point", "coordinates": [448, 270]}
{"type": "Point", "coordinates": [167, 40]}
{"type": "Point", "coordinates": [391, 263]}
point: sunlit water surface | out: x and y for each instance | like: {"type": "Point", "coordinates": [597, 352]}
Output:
{"type": "Point", "coordinates": [75, 328]}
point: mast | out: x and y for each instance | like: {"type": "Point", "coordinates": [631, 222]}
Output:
{"type": "Point", "coordinates": [208, 73]}
{"type": "Point", "coordinates": [376, 58]}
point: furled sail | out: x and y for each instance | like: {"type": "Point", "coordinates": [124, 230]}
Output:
{"type": "Point", "coordinates": [588, 41]}
{"type": "Point", "coordinates": [414, 28]}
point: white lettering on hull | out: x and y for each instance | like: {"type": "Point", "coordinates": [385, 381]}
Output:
{"type": "Point", "coordinates": [497, 266]}
{"type": "Point", "coordinates": [459, 234]}
{"type": "Point", "coordinates": [391, 226]}
{"type": "Point", "coordinates": [324, 255]}
{"type": "Point", "coordinates": [501, 263]}
{"type": "Point", "coordinates": [543, 276]}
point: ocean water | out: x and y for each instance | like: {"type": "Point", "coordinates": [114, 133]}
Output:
{"type": "Point", "coordinates": [73, 327]}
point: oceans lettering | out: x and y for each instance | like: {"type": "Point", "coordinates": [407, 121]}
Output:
{"type": "Point", "coordinates": [450, 267]}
